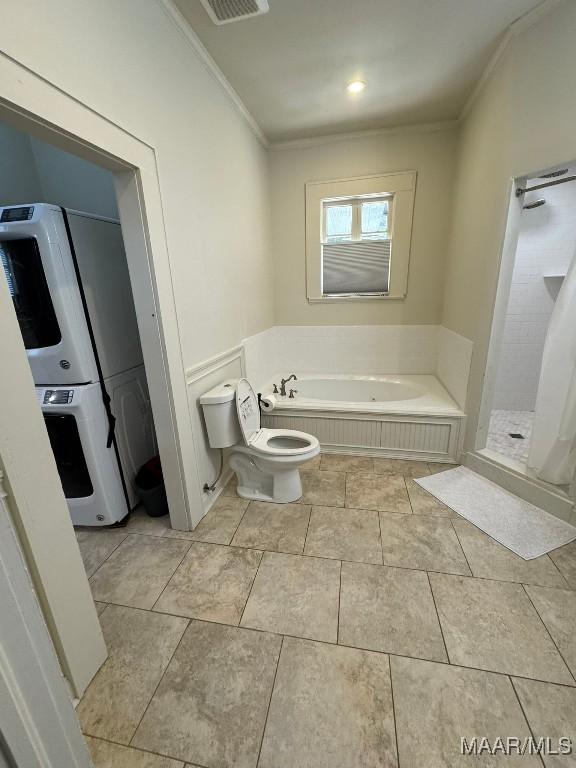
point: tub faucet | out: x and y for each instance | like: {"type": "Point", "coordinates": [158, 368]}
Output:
{"type": "Point", "coordinates": [283, 383]}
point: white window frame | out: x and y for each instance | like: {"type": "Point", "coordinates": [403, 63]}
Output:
{"type": "Point", "coordinates": [399, 188]}
{"type": "Point", "coordinates": [356, 203]}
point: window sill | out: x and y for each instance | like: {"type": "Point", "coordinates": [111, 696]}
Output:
{"type": "Point", "coordinates": [359, 297]}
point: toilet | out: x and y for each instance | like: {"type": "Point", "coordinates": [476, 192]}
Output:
{"type": "Point", "coordinates": [266, 461]}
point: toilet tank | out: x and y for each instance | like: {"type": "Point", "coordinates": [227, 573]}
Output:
{"type": "Point", "coordinates": [220, 415]}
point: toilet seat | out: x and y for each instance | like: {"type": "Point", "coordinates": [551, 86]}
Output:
{"type": "Point", "coordinates": [276, 442]}
{"type": "Point", "coordinates": [281, 443]}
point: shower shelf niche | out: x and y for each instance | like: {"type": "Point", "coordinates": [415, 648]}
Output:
{"type": "Point", "coordinates": [553, 282]}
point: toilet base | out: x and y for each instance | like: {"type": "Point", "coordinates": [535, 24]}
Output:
{"type": "Point", "coordinates": [261, 480]}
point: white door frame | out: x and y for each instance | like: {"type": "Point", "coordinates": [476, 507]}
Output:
{"type": "Point", "coordinates": [39, 725]}
{"type": "Point", "coordinates": [30, 103]}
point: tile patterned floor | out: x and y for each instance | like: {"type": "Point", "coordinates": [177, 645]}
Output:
{"type": "Point", "coordinates": [502, 423]}
{"type": "Point", "coordinates": [367, 625]}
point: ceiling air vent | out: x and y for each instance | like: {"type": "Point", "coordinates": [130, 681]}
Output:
{"type": "Point", "coordinates": [225, 11]}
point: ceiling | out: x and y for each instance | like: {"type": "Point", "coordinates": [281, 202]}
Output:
{"type": "Point", "coordinates": [419, 58]}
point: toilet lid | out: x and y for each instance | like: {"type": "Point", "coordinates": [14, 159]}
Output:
{"type": "Point", "coordinates": [248, 410]}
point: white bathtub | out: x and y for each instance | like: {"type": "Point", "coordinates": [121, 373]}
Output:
{"type": "Point", "coordinates": [392, 394]}
{"type": "Point", "coordinates": [404, 416]}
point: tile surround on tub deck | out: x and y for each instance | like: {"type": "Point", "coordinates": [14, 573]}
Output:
{"type": "Point", "coordinates": [361, 350]}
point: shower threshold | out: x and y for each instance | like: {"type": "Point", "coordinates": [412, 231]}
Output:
{"type": "Point", "coordinates": [516, 477]}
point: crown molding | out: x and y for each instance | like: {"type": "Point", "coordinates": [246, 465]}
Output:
{"type": "Point", "coordinates": [330, 138]}
{"type": "Point", "coordinates": [518, 26]}
{"type": "Point", "coordinates": [208, 62]}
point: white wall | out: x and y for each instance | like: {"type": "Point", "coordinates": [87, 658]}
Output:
{"type": "Point", "coordinates": [454, 358]}
{"type": "Point", "coordinates": [431, 153]}
{"type": "Point", "coordinates": [19, 180]}
{"type": "Point", "coordinates": [33, 171]}
{"type": "Point", "coordinates": [4, 758]}
{"type": "Point", "coordinates": [546, 246]}
{"type": "Point", "coordinates": [72, 182]}
{"type": "Point", "coordinates": [522, 122]}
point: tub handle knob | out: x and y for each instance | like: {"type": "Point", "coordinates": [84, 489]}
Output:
{"type": "Point", "coordinates": [292, 393]}
{"type": "Point", "coordinates": [275, 390]}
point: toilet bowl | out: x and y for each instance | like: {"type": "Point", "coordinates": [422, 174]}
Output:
{"type": "Point", "coordinates": [266, 461]}
{"type": "Point", "coordinates": [268, 468]}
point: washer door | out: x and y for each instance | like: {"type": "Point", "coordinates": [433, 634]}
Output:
{"type": "Point", "coordinates": [29, 290]}
{"type": "Point", "coordinates": [70, 461]}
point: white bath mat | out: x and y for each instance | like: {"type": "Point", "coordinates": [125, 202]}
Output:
{"type": "Point", "coordinates": [520, 526]}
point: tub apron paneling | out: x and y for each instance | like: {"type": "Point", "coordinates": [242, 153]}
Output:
{"type": "Point", "coordinates": [377, 434]}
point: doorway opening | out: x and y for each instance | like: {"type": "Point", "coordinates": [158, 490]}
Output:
{"type": "Point", "coordinates": [63, 257]}
{"type": "Point", "coordinates": [528, 326]}
{"type": "Point", "coordinates": [40, 514]}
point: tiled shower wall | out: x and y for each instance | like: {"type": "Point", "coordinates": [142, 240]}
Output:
{"type": "Point", "coordinates": [546, 245]}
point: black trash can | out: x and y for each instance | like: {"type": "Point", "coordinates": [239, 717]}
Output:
{"type": "Point", "coordinates": [150, 487]}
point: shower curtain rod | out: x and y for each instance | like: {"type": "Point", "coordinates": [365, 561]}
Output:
{"type": "Point", "coordinates": [520, 191]}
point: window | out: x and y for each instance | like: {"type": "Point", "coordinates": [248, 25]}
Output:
{"type": "Point", "coordinates": [358, 237]}
{"type": "Point", "coordinates": [354, 219]}
{"type": "Point", "coordinates": [356, 246]}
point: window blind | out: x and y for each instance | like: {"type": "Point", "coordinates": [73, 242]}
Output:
{"type": "Point", "coordinates": [356, 267]}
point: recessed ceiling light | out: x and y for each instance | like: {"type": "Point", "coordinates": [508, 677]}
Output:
{"type": "Point", "coordinates": [356, 86]}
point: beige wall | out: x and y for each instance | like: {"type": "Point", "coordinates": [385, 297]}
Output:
{"type": "Point", "coordinates": [523, 121]}
{"type": "Point", "coordinates": [129, 62]}
{"type": "Point", "coordinates": [430, 153]}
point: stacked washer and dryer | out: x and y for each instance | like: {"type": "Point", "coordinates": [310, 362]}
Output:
{"type": "Point", "coordinates": [68, 277]}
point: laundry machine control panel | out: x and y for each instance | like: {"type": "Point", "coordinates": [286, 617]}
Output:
{"type": "Point", "coordinates": [58, 397]}
{"type": "Point", "coordinates": [23, 213]}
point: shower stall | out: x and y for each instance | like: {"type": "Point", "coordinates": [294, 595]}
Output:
{"type": "Point", "coordinates": [528, 416]}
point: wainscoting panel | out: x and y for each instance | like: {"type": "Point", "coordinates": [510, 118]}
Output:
{"type": "Point", "coordinates": [415, 436]}
{"type": "Point", "coordinates": [330, 431]}
{"type": "Point", "coordinates": [396, 436]}
{"type": "Point", "coordinates": [199, 379]}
